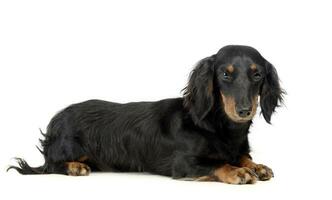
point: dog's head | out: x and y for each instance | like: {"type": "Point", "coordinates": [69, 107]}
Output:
{"type": "Point", "coordinates": [235, 79]}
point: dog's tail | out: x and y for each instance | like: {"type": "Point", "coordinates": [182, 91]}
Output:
{"type": "Point", "coordinates": [24, 168]}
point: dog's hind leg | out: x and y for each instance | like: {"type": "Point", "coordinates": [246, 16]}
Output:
{"type": "Point", "coordinates": [77, 169]}
{"type": "Point", "coordinates": [62, 148]}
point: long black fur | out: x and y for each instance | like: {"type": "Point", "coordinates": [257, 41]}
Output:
{"type": "Point", "coordinates": [181, 137]}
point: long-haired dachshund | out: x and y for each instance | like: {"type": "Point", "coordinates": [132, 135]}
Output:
{"type": "Point", "coordinates": [202, 136]}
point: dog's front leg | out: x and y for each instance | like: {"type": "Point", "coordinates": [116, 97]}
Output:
{"type": "Point", "coordinates": [187, 168]}
{"type": "Point", "coordinates": [234, 175]}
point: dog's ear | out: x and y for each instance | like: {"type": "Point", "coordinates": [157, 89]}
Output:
{"type": "Point", "coordinates": [271, 93]}
{"type": "Point", "coordinates": [198, 95]}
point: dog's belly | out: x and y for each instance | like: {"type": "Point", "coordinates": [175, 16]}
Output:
{"type": "Point", "coordinates": [129, 152]}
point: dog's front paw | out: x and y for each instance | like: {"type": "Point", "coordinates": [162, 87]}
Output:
{"type": "Point", "coordinates": [263, 172]}
{"type": "Point", "coordinates": [235, 175]}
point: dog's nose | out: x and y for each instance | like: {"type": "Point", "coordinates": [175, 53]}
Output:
{"type": "Point", "coordinates": [244, 112]}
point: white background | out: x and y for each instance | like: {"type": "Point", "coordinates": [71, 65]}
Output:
{"type": "Point", "coordinates": [54, 53]}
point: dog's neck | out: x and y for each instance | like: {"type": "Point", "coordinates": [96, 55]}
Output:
{"type": "Point", "coordinates": [218, 123]}
{"type": "Point", "coordinates": [230, 125]}
{"type": "Point", "coordinates": [234, 134]}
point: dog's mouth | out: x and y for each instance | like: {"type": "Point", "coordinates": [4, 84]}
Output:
{"type": "Point", "coordinates": [230, 109]}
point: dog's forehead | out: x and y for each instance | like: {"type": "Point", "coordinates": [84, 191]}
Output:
{"type": "Point", "coordinates": [241, 61]}
{"type": "Point", "coordinates": [238, 54]}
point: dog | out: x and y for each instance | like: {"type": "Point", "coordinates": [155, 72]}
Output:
{"type": "Point", "coordinates": [201, 136]}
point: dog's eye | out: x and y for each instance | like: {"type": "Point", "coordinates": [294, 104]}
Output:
{"type": "Point", "coordinates": [226, 76]}
{"type": "Point", "coordinates": [257, 76]}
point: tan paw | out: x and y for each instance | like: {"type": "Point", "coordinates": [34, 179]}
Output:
{"type": "Point", "coordinates": [77, 169]}
{"type": "Point", "coordinates": [263, 172]}
{"type": "Point", "coordinates": [235, 175]}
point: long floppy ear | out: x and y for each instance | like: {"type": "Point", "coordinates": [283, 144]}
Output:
{"type": "Point", "coordinates": [198, 95]}
{"type": "Point", "coordinates": [271, 93]}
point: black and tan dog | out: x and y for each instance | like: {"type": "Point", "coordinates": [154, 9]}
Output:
{"type": "Point", "coordinates": [202, 136]}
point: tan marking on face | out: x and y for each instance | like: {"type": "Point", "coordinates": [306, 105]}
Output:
{"type": "Point", "coordinates": [230, 68]}
{"type": "Point", "coordinates": [230, 109]}
{"type": "Point", "coordinates": [253, 67]}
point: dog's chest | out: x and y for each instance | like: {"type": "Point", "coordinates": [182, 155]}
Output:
{"type": "Point", "coordinates": [226, 149]}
